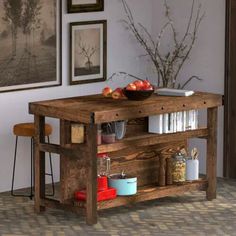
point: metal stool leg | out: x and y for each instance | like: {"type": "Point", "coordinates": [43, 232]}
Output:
{"type": "Point", "coordinates": [14, 168]}
{"type": "Point", "coordinates": [13, 175]}
{"type": "Point", "coordinates": [51, 171]}
{"type": "Point", "coordinates": [31, 168]}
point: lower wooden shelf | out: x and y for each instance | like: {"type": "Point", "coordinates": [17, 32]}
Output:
{"type": "Point", "coordinates": [150, 193]}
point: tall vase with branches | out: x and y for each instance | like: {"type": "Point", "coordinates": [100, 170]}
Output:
{"type": "Point", "coordinates": [167, 65]}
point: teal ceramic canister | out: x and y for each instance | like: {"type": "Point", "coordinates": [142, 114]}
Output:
{"type": "Point", "coordinates": [125, 186]}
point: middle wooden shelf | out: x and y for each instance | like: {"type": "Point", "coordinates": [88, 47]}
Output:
{"type": "Point", "coordinates": [147, 139]}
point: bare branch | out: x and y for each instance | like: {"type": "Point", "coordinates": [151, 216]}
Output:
{"type": "Point", "coordinates": [189, 80]}
{"type": "Point", "coordinates": [161, 34]}
{"type": "Point", "coordinates": [197, 23]}
{"type": "Point", "coordinates": [148, 34]}
{"type": "Point", "coordinates": [124, 73]}
{"type": "Point", "coordinates": [171, 23]}
{"type": "Point", "coordinates": [167, 65]}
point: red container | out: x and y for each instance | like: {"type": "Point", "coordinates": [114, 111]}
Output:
{"type": "Point", "coordinates": [102, 183]}
{"type": "Point", "coordinates": [108, 194]}
{"type": "Point", "coordinates": [103, 193]}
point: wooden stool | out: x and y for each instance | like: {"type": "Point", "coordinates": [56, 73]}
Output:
{"type": "Point", "coordinates": [28, 130]}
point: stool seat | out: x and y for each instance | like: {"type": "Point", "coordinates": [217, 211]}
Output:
{"type": "Point", "coordinates": [28, 129]}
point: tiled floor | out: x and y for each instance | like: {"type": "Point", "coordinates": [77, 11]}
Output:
{"type": "Point", "coordinates": [188, 215]}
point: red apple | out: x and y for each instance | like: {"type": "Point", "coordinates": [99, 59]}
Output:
{"type": "Point", "coordinates": [146, 84]}
{"type": "Point", "coordinates": [149, 88]}
{"type": "Point", "coordinates": [139, 84]}
{"type": "Point", "coordinates": [117, 94]}
{"type": "Point", "coordinates": [107, 92]}
{"type": "Point", "coordinates": [131, 86]}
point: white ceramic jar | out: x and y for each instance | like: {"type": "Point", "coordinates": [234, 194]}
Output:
{"type": "Point", "coordinates": [192, 169]}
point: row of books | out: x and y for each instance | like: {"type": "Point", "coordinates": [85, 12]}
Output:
{"type": "Point", "coordinates": [173, 122]}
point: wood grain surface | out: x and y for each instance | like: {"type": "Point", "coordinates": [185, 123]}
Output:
{"type": "Point", "coordinates": [149, 193]}
{"type": "Point", "coordinates": [98, 109]}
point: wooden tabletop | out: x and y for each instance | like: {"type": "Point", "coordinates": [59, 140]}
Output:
{"type": "Point", "coordinates": [99, 109]}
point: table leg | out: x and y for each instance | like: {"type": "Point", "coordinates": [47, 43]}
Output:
{"type": "Point", "coordinates": [65, 138]}
{"type": "Point", "coordinates": [91, 186]}
{"type": "Point", "coordinates": [211, 152]}
{"type": "Point", "coordinates": [39, 163]}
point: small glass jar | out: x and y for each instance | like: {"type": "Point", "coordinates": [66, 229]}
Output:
{"type": "Point", "coordinates": [178, 168]}
{"type": "Point", "coordinates": [103, 164]}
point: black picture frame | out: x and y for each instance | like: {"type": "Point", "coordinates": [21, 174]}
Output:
{"type": "Point", "coordinates": [36, 60]}
{"type": "Point", "coordinates": [93, 38]}
{"type": "Point", "coordinates": [79, 8]}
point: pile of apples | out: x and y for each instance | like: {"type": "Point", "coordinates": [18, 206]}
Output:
{"type": "Point", "coordinates": [116, 94]}
{"type": "Point", "coordinates": [137, 85]}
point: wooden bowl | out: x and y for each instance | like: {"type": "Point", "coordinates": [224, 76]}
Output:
{"type": "Point", "coordinates": [137, 95]}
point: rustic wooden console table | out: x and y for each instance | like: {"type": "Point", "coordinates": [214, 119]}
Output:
{"type": "Point", "coordinates": [78, 162]}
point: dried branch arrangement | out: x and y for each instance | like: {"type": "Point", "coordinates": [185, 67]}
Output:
{"type": "Point", "coordinates": [168, 65]}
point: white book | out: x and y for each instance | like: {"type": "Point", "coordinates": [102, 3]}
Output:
{"type": "Point", "coordinates": [188, 120]}
{"type": "Point", "coordinates": [179, 122]}
{"type": "Point", "coordinates": [174, 92]}
{"type": "Point", "coordinates": [155, 124]}
{"type": "Point", "coordinates": [166, 123]}
{"type": "Point", "coordinates": [174, 122]}
{"type": "Point", "coordinates": [195, 119]}
{"type": "Point", "coordinates": [171, 123]}
{"type": "Point", "coordinates": [184, 113]}
{"type": "Point", "coordinates": [191, 120]}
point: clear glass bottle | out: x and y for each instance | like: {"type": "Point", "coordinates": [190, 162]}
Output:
{"type": "Point", "coordinates": [178, 168]}
{"type": "Point", "coordinates": [103, 164]}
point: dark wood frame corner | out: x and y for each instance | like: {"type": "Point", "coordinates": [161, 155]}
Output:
{"type": "Point", "coordinates": [59, 61]}
{"type": "Point", "coordinates": [227, 68]}
{"type": "Point", "coordinates": [98, 6]}
{"type": "Point", "coordinates": [104, 22]}
{"type": "Point", "coordinates": [229, 166]}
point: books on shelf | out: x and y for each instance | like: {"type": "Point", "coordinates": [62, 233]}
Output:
{"type": "Point", "coordinates": [173, 122]}
{"type": "Point", "coordinates": [174, 92]}
{"type": "Point", "coordinates": [165, 123]}
{"type": "Point", "coordinates": [155, 124]}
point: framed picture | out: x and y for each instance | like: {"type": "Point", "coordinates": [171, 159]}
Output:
{"type": "Point", "coordinates": [88, 52]}
{"type": "Point", "coordinates": [76, 6]}
{"type": "Point", "coordinates": [30, 44]}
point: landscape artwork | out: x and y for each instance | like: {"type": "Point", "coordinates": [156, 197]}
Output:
{"type": "Point", "coordinates": [88, 52]}
{"type": "Point", "coordinates": [29, 44]}
{"type": "Point", "coordinates": [75, 6]}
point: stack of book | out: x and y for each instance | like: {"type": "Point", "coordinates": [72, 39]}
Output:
{"type": "Point", "coordinates": [173, 122]}
{"type": "Point", "coordinates": [174, 92]}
